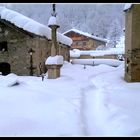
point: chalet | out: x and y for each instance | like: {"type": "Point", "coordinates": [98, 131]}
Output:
{"type": "Point", "coordinates": [87, 44]}
{"type": "Point", "coordinates": [84, 41]}
{"type": "Point", "coordinates": [26, 44]}
{"type": "Point", "coordinates": [132, 42]}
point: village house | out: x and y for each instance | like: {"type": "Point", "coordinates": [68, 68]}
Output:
{"type": "Point", "coordinates": [84, 41]}
{"type": "Point", "coordinates": [26, 44]}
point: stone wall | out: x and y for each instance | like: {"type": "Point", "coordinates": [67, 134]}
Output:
{"type": "Point", "coordinates": [64, 51]}
{"type": "Point", "coordinates": [106, 57]}
{"type": "Point", "coordinates": [41, 48]}
{"type": "Point", "coordinates": [18, 56]}
{"type": "Point", "coordinates": [132, 44]}
{"type": "Point", "coordinates": [85, 57]}
{"type": "Point", "coordinates": [97, 57]}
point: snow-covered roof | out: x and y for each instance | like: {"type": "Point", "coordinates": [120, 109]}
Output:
{"type": "Point", "coordinates": [86, 34]}
{"type": "Point", "coordinates": [31, 25]}
{"type": "Point", "coordinates": [127, 6]}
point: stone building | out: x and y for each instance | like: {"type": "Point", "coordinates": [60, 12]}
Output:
{"type": "Point", "coordinates": [132, 42]}
{"type": "Point", "coordinates": [84, 41]}
{"type": "Point", "coordinates": [25, 44]}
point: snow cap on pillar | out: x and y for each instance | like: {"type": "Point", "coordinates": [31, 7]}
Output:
{"type": "Point", "coordinates": [53, 20]}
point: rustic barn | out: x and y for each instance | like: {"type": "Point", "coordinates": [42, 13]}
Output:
{"type": "Point", "coordinates": [84, 41]}
{"type": "Point", "coordinates": [132, 42]}
{"type": "Point", "coordinates": [25, 44]}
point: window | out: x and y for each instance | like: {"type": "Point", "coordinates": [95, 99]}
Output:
{"type": "Point", "coordinates": [75, 43]}
{"type": "Point", "coordinates": [5, 68]}
{"type": "Point", "coordinates": [80, 43]}
{"type": "Point", "coordinates": [84, 43]}
{"type": "Point", "coordinates": [3, 46]}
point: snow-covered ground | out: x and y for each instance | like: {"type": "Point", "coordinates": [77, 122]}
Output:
{"type": "Point", "coordinates": [84, 101]}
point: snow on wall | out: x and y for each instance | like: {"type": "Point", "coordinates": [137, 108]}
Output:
{"type": "Point", "coordinates": [127, 6]}
{"type": "Point", "coordinates": [31, 25]}
{"type": "Point", "coordinates": [57, 60]}
{"type": "Point", "coordinates": [75, 53]}
{"type": "Point", "coordinates": [112, 51]}
{"type": "Point", "coordinates": [86, 34]}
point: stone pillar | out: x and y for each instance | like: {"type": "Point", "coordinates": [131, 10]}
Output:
{"type": "Point", "coordinates": [54, 48]}
{"type": "Point", "coordinates": [132, 44]}
{"type": "Point", "coordinates": [53, 69]}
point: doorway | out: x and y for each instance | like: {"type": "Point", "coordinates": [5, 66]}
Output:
{"type": "Point", "coordinates": [5, 68]}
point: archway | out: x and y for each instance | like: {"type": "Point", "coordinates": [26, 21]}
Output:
{"type": "Point", "coordinates": [5, 68]}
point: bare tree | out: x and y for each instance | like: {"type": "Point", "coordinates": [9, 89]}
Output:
{"type": "Point", "coordinates": [115, 32]}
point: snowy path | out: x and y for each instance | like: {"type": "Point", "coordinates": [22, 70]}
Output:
{"type": "Point", "coordinates": [84, 118]}
{"type": "Point", "coordinates": [111, 107]}
{"type": "Point", "coordinates": [86, 88]}
{"type": "Point", "coordinates": [90, 127]}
